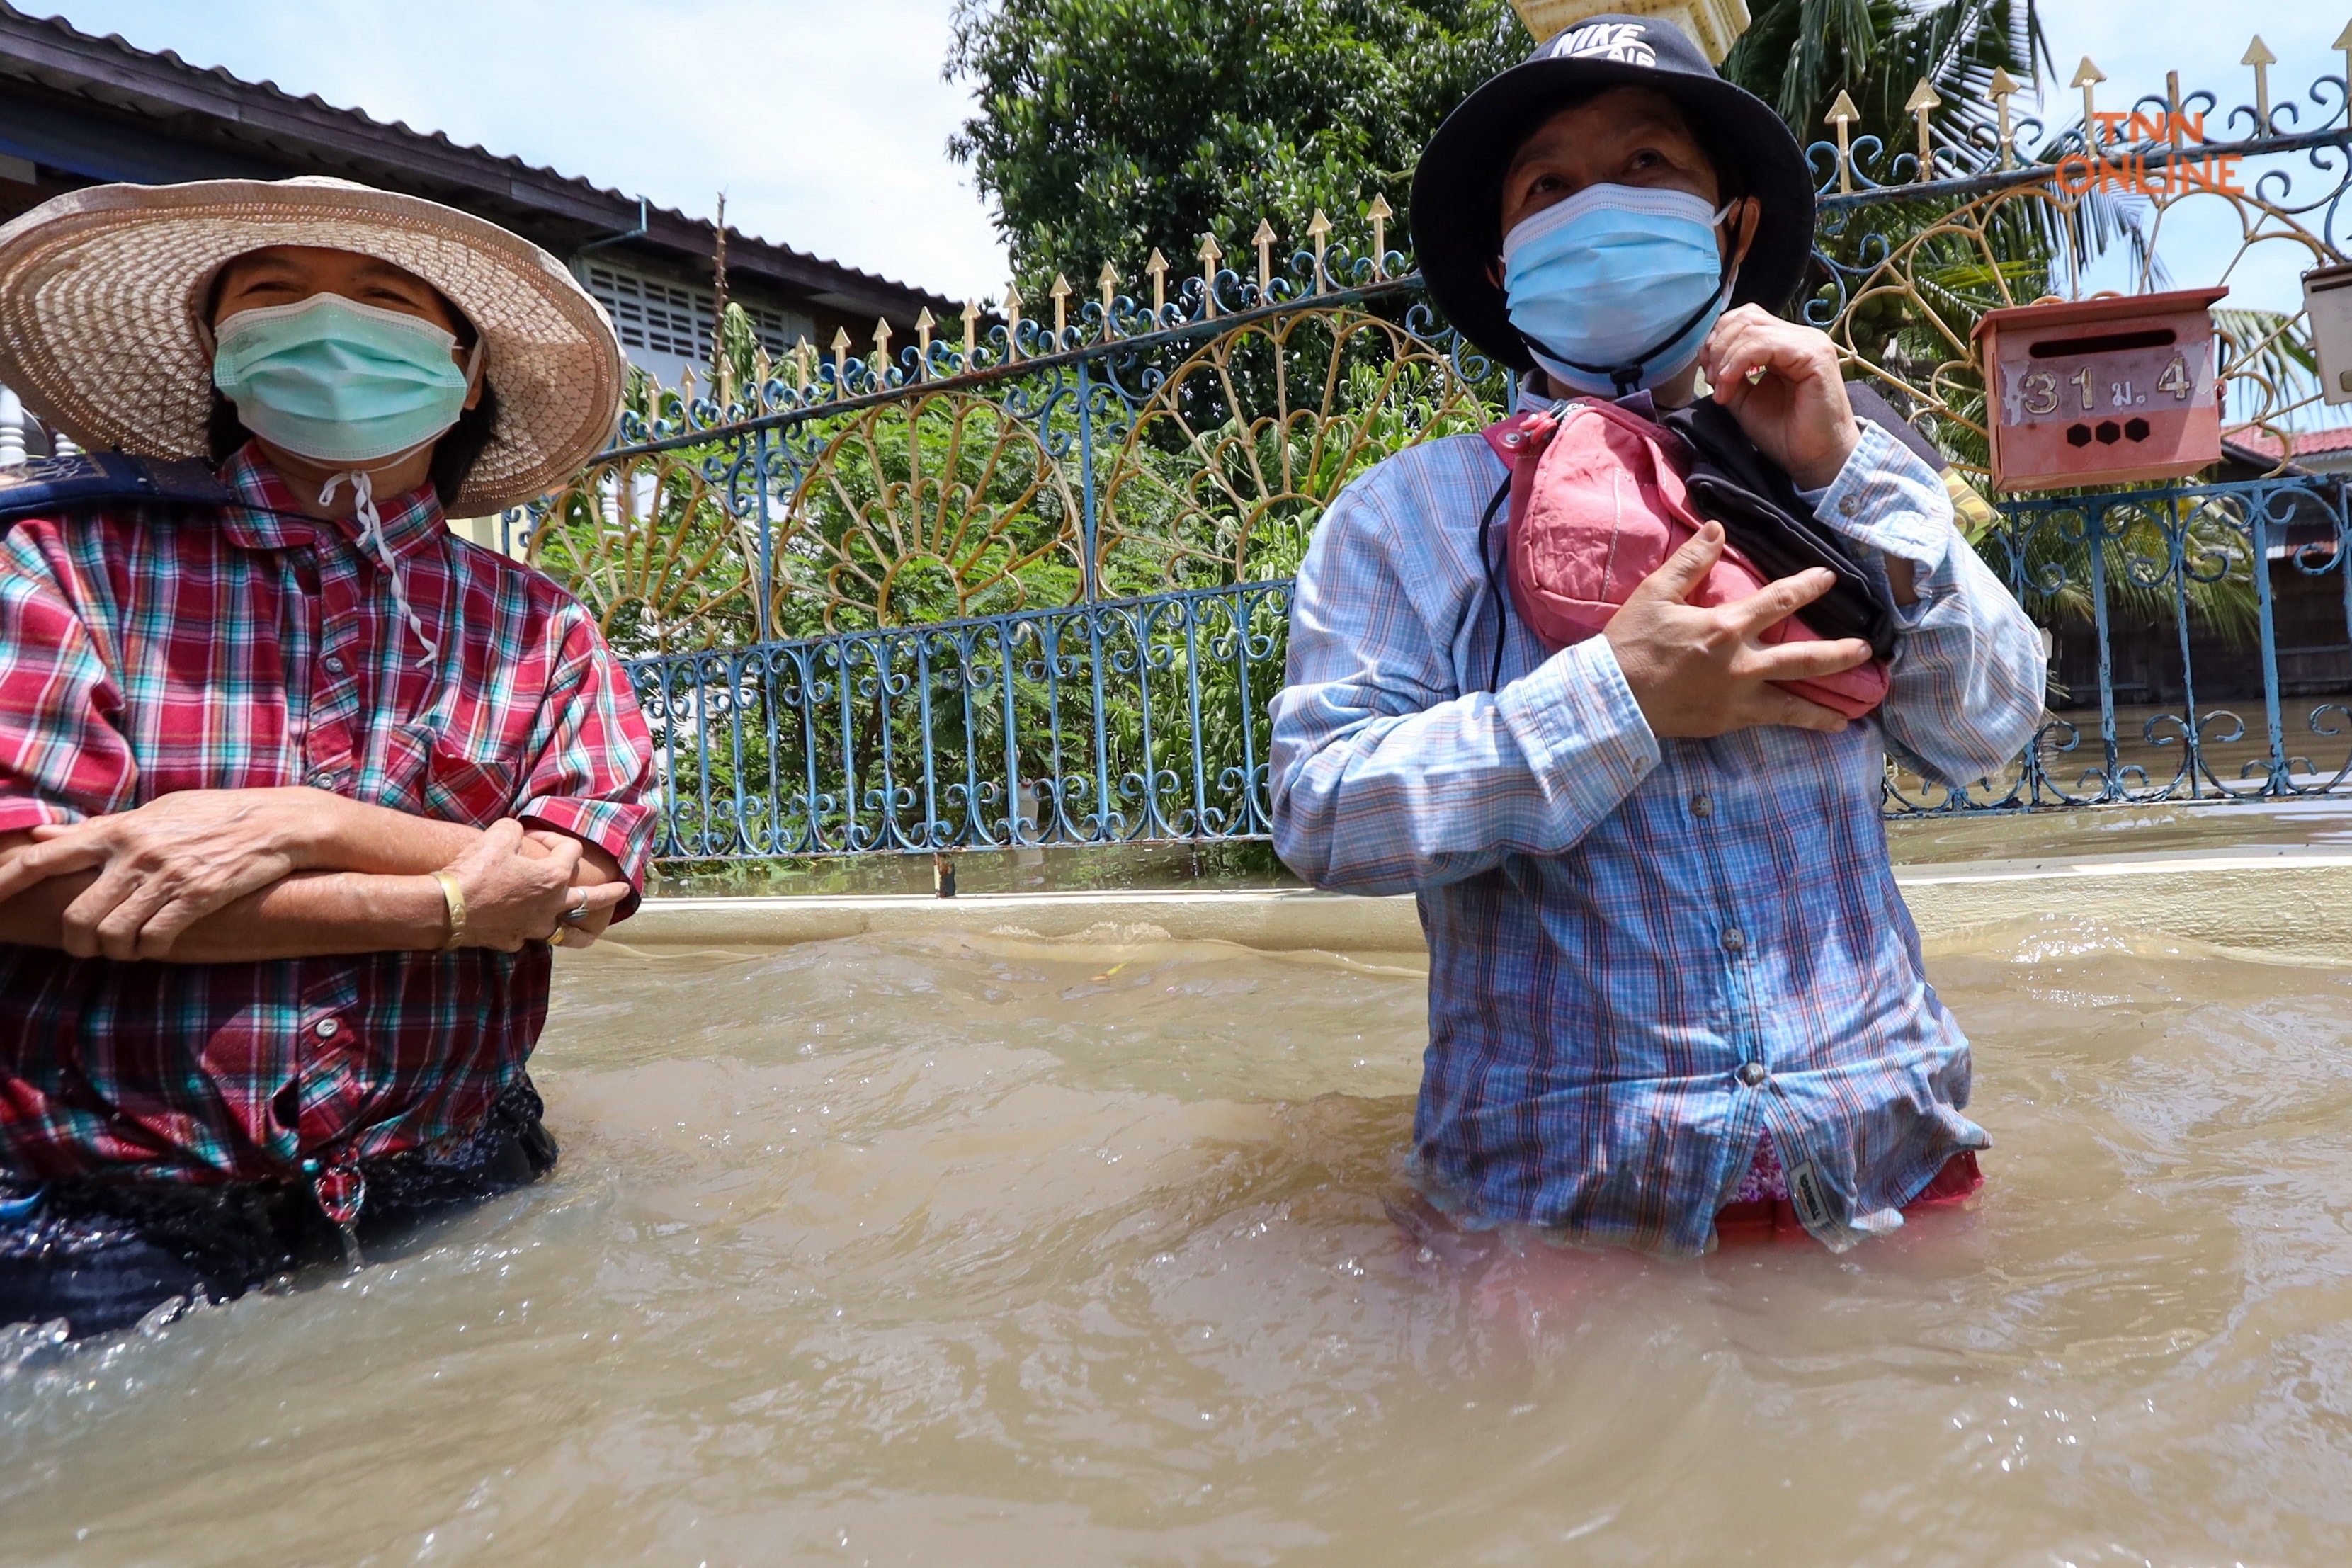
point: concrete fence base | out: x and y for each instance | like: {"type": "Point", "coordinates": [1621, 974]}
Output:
{"type": "Point", "coordinates": [2294, 903]}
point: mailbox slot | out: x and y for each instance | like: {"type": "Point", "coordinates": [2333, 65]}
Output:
{"type": "Point", "coordinates": [2107, 344]}
{"type": "Point", "coordinates": [2090, 392]}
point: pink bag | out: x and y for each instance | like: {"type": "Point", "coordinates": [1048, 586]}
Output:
{"type": "Point", "coordinates": [1598, 504]}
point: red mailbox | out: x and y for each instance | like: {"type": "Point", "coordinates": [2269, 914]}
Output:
{"type": "Point", "coordinates": [2090, 392]}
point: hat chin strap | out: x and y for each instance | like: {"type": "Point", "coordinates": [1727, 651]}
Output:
{"type": "Point", "coordinates": [1627, 378]}
{"type": "Point", "coordinates": [371, 521]}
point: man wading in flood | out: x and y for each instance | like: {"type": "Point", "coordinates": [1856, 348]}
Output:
{"type": "Point", "coordinates": [1670, 972]}
{"type": "Point", "coordinates": [297, 790]}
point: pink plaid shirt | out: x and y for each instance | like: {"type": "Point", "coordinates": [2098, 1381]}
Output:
{"type": "Point", "coordinates": [144, 653]}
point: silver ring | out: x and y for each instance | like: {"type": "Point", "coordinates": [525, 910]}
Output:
{"type": "Point", "coordinates": [576, 913]}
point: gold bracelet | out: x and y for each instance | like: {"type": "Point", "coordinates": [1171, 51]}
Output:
{"type": "Point", "coordinates": [453, 896]}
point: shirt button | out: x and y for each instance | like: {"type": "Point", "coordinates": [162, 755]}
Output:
{"type": "Point", "coordinates": [1702, 807]}
{"type": "Point", "coordinates": [323, 779]}
{"type": "Point", "coordinates": [1851, 505]}
{"type": "Point", "coordinates": [335, 665]}
{"type": "Point", "coordinates": [327, 1028]}
{"type": "Point", "coordinates": [1753, 1075]}
{"type": "Point", "coordinates": [1734, 940]}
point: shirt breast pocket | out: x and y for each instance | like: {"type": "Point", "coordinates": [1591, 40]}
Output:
{"type": "Point", "coordinates": [426, 775]}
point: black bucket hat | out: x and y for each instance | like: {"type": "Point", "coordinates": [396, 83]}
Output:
{"type": "Point", "coordinates": [1457, 188]}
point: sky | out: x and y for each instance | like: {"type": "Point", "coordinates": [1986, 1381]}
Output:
{"type": "Point", "coordinates": [2134, 42]}
{"type": "Point", "coordinates": [827, 121]}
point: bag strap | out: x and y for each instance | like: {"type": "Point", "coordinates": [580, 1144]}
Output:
{"type": "Point", "coordinates": [48, 487]}
{"type": "Point", "coordinates": [1486, 563]}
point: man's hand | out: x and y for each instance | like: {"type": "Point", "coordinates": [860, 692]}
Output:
{"type": "Point", "coordinates": [168, 864]}
{"type": "Point", "coordinates": [1781, 380]}
{"type": "Point", "coordinates": [1705, 672]}
{"type": "Point", "coordinates": [517, 889]}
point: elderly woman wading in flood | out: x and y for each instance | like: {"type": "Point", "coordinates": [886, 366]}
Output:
{"type": "Point", "coordinates": [297, 790]}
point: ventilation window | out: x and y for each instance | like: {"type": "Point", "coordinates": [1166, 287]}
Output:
{"type": "Point", "coordinates": [663, 316]}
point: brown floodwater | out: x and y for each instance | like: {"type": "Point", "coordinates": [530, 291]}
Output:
{"type": "Point", "coordinates": [994, 1250]}
{"type": "Point", "coordinates": [2169, 827]}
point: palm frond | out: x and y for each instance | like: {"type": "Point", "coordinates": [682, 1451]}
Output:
{"type": "Point", "coordinates": [1799, 54]}
{"type": "Point", "coordinates": [2274, 345]}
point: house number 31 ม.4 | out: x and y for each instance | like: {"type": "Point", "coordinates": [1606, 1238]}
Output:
{"type": "Point", "coordinates": [2038, 389]}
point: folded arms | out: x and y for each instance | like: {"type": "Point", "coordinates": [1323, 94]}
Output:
{"type": "Point", "coordinates": [212, 876]}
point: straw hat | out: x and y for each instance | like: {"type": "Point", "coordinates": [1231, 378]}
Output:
{"type": "Point", "coordinates": [102, 333]}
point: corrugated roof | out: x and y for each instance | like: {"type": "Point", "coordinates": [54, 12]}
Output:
{"type": "Point", "coordinates": [396, 133]}
{"type": "Point", "coordinates": [2307, 443]}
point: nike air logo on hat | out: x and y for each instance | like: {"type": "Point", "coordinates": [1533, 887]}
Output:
{"type": "Point", "coordinates": [1620, 41]}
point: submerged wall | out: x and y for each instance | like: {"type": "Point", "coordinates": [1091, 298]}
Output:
{"type": "Point", "coordinates": [2291, 902]}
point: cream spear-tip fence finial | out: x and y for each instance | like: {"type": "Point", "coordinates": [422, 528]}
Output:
{"type": "Point", "coordinates": [1012, 322]}
{"type": "Point", "coordinates": [1263, 240]}
{"type": "Point", "coordinates": [970, 332]}
{"type": "Point", "coordinates": [1060, 293]}
{"type": "Point", "coordinates": [1318, 229]}
{"type": "Point", "coordinates": [1108, 284]}
{"type": "Point", "coordinates": [1922, 103]}
{"type": "Point", "coordinates": [1380, 212]}
{"type": "Point", "coordinates": [840, 360]}
{"type": "Point", "coordinates": [881, 345]}
{"type": "Point", "coordinates": [2342, 45]}
{"type": "Point", "coordinates": [1843, 114]}
{"type": "Point", "coordinates": [1158, 268]}
{"type": "Point", "coordinates": [803, 363]}
{"type": "Point", "coordinates": [2003, 88]}
{"type": "Point", "coordinates": [2087, 77]}
{"type": "Point", "coordinates": [1210, 255]}
{"type": "Point", "coordinates": [2258, 55]}
{"type": "Point", "coordinates": [923, 325]}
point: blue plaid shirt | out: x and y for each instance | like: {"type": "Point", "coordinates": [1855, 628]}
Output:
{"type": "Point", "coordinates": [1643, 952]}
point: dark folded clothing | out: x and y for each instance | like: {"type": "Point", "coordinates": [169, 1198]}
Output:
{"type": "Point", "coordinates": [1732, 483]}
{"type": "Point", "coordinates": [101, 1254]}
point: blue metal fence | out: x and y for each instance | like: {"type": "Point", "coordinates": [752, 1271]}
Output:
{"type": "Point", "coordinates": [1117, 721]}
{"type": "Point", "coordinates": [1033, 588]}
{"type": "Point", "coordinates": [2137, 561]}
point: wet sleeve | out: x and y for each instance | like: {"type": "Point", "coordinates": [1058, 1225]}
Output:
{"type": "Point", "coordinates": [591, 771]}
{"type": "Point", "coordinates": [1968, 671]}
{"type": "Point", "coordinates": [64, 753]}
{"type": "Point", "coordinates": [1388, 779]}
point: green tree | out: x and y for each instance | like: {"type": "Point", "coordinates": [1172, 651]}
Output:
{"type": "Point", "coordinates": [1108, 127]}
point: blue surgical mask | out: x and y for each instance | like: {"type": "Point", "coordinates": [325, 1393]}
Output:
{"type": "Point", "coordinates": [338, 382]}
{"type": "Point", "coordinates": [1615, 288]}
